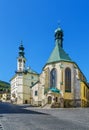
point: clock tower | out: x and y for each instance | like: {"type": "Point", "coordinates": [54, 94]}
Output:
{"type": "Point", "coordinates": [21, 60]}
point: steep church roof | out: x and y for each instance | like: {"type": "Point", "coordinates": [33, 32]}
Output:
{"type": "Point", "coordinates": [58, 54]}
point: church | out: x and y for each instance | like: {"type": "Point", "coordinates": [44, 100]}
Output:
{"type": "Point", "coordinates": [60, 84]}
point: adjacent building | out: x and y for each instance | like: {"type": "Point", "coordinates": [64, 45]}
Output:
{"type": "Point", "coordinates": [4, 91]}
{"type": "Point", "coordinates": [60, 84]}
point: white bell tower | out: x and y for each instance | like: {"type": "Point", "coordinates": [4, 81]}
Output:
{"type": "Point", "coordinates": [21, 60]}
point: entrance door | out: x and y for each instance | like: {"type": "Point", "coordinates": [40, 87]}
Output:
{"type": "Point", "coordinates": [49, 100]}
{"type": "Point", "coordinates": [26, 101]}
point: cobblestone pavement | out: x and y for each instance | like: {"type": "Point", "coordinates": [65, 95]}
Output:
{"type": "Point", "coordinates": [24, 117]}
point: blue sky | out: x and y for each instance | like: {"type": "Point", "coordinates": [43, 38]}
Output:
{"type": "Point", "coordinates": [34, 22]}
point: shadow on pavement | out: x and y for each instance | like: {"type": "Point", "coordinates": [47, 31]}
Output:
{"type": "Point", "coordinates": [8, 108]}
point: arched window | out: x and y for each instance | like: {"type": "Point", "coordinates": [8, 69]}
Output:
{"type": "Point", "coordinates": [53, 78]}
{"type": "Point", "coordinates": [67, 80]}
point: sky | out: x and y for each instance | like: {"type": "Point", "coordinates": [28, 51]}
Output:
{"type": "Point", "coordinates": [34, 22]}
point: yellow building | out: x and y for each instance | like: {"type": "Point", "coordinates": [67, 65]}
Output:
{"type": "Point", "coordinates": [4, 88]}
{"type": "Point", "coordinates": [84, 94]}
{"type": "Point", "coordinates": [4, 96]}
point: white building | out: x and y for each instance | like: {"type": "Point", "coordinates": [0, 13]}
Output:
{"type": "Point", "coordinates": [22, 81]}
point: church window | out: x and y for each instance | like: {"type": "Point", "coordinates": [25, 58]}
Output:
{"type": "Point", "coordinates": [47, 78]}
{"type": "Point", "coordinates": [53, 78]}
{"type": "Point", "coordinates": [36, 93]}
{"type": "Point", "coordinates": [67, 80]}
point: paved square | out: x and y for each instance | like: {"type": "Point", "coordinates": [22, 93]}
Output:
{"type": "Point", "coordinates": [24, 117]}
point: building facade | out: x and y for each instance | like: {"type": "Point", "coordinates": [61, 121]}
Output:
{"type": "Point", "coordinates": [22, 81]}
{"type": "Point", "coordinates": [60, 81]}
{"type": "Point", "coordinates": [4, 91]}
{"type": "Point", "coordinates": [60, 84]}
{"type": "Point", "coordinates": [84, 94]}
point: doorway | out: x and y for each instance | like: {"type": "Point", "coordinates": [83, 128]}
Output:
{"type": "Point", "coordinates": [49, 100]}
{"type": "Point", "coordinates": [26, 101]}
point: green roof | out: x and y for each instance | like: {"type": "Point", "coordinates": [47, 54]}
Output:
{"type": "Point", "coordinates": [55, 90]}
{"type": "Point", "coordinates": [58, 29]}
{"type": "Point", "coordinates": [58, 54]}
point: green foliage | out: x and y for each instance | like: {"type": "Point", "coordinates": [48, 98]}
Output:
{"type": "Point", "coordinates": [4, 86]}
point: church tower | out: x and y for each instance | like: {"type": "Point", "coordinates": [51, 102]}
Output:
{"type": "Point", "coordinates": [21, 60]}
{"type": "Point", "coordinates": [59, 37]}
{"type": "Point", "coordinates": [23, 80]}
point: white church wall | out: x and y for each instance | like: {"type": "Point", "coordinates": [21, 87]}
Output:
{"type": "Point", "coordinates": [35, 94]}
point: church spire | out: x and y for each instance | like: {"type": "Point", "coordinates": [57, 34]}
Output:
{"type": "Point", "coordinates": [21, 50]}
{"type": "Point", "coordinates": [59, 36]}
{"type": "Point", "coordinates": [58, 54]}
